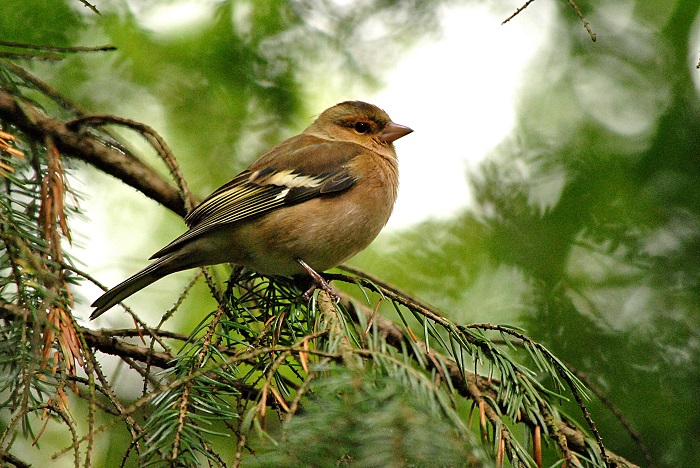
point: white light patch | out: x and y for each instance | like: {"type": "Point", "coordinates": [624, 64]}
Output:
{"type": "Point", "coordinates": [459, 95]}
{"type": "Point", "coordinates": [174, 18]}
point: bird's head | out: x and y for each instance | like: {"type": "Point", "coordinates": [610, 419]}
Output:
{"type": "Point", "coordinates": [361, 123]}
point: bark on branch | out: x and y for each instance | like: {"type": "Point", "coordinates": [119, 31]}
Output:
{"type": "Point", "coordinates": [85, 146]}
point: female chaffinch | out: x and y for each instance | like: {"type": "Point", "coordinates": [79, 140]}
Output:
{"type": "Point", "coordinates": [308, 204]}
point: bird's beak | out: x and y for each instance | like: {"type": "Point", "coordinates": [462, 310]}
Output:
{"type": "Point", "coordinates": [393, 132]}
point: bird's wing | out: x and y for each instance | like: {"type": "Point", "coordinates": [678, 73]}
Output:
{"type": "Point", "coordinates": [319, 168]}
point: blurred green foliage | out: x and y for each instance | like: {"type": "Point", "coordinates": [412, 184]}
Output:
{"type": "Point", "coordinates": [590, 215]}
{"type": "Point", "coordinates": [586, 227]}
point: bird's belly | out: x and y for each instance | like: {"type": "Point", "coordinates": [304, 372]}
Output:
{"type": "Point", "coordinates": [333, 235]}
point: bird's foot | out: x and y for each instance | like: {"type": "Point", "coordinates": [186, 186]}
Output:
{"type": "Point", "coordinates": [318, 282]}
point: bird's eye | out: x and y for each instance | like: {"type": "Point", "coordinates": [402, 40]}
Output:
{"type": "Point", "coordinates": [362, 127]}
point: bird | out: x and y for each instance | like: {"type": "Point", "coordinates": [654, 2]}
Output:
{"type": "Point", "coordinates": [306, 205]}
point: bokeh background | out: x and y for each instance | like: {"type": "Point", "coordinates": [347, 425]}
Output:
{"type": "Point", "coordinates": [552, 182]}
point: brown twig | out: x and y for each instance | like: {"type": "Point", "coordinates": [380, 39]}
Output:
{"type": "Point", "coordinates": [576, 9]}
{"type": "Point", "coordinates": [85, 147]}
{"type": "Point", "coordinates": [90, 6]}
{"type": "Point", "coordinates": [517, 11]}
{"type": "Point", "coordinates": [583, 20]}
{"type": "Point", "coordinates": [106, 343]}
{"type": "Point", "coordinates": [155, 140]}
{"type": "Point", "coordinates": [8, 459]}
{"type": "Point", "coordinates": [21, 45]}
{"type": "Point", "coordinates": [607, 402]}
{"type": "Point", "coordinates": [44, 88]}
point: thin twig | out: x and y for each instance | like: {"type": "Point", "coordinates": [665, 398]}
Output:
{"type": "Point", "coordinates": [576, 9]}
{"type": "Point", "coordinates": [32, 120]}
{"type": "Point", "coordinates": [152, 136]}
{"type": "Point", "coordinates": [607, 402]}
{"type": "Point", "coordinates": [583, 19]}
{"type": "Point", "coordinates": [517, 11]}
{"type": "Point", "coordinates": [44, 88]}
{"type": "Point", "coordinates": [90, 6]}
{"type": "Point", "coordinates": [564, 374]}
{"type": "Point", "coordinates": [10, 460]}
{"type": "Point", "coordinates": [21, 45]}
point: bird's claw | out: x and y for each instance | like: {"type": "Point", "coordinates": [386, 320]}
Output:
{"type": "Point", "coordinates": [318, 282]}
{"type": "Point", "coordinates": [335, 297]}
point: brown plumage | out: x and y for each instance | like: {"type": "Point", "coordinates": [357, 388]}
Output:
{"type": "Point", "coordinates": [306, 205]}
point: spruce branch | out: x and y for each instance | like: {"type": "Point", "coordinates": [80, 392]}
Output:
{"type": "Point", "coordinates": [86, 147]}
{"type": "Point", "coordinates": [474, 386]}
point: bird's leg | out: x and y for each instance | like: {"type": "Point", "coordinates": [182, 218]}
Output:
{"type": "Point", "coordinates": [318, 282]}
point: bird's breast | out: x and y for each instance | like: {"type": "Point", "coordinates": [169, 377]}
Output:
{"type": "Point", "coordinates": [324, 231]}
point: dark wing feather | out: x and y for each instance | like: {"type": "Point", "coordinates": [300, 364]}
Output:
{"type": "Point", "coordinates": [254, 193]}
{"type": "Point", "coordinates": [218, 199]}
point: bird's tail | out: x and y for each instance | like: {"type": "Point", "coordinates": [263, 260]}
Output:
{"type": "Point", "coordinates": [158, 269]}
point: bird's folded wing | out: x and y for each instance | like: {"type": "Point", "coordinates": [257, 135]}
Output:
{"type": "Point", "coordinates": [324, 169]}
